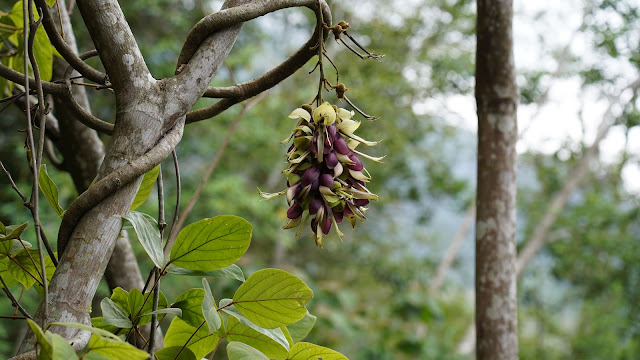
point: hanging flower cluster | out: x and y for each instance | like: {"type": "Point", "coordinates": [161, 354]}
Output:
{"type": "Point", "coordinates": [326, 181]}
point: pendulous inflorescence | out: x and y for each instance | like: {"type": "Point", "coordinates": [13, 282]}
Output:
{"type": "Point", "coordinates": [326, 180]}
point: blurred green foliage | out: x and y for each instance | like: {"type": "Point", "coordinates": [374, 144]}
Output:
{"type": "Point", "coordinates": [579, 299]}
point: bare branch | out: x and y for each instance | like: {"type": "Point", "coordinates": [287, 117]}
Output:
{"type": "Point", "coordinates": [64, 49]}
{"type": "Point", "coordinates": [249, 89]}
{"type": "Point", "coordinates": [116, 45]}
{"type": "Point", "coordinates": [114, 181]}
{"type": "Point", "coordinates": [18, 78]}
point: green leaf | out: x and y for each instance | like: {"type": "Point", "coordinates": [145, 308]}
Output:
{"type": "Point", "coordinates": [62, 350]}
{"type": "Point", "coordinates": [171, 311]}
{"type": "Point", "coordinates": [42, 48]}
{"type": "Point", "coordinates": [146, 228]}
{"type": "Point", "coordinates": [93, 330]}
{"type": "Point", "coordinates": [13, 231]}
{"type": "Point", "coordinates": [112, 314]}
{"type": "Point", "coordinates": [12, 247]}
{"type": "Point", "coordinates": [97, 322]}
{"type": "Point", "coordinates": [276, 334]}
{"type": "Point", "coordinates": [272, 298]}
{"type": "Point", "coordinates": [301, 329]}
{"type": "Point", "coordinates": [232, 271]}
{"type": "Point", "coordinates": [145, 187]}
{"type": "Point", "coordinates": [180, 332]}
{"type": "Point", "coordinates": [22, 266]}
{"type": "Point", "coordinates": [120, 297]}
{"type": "Point", "coordinates": [212, 244]}
{"type": "Point", "coordinates": [112, 349]}
{"type": "Point", "coordinates": [139, 304]}
{"type": "Point", "coordinates": [287, 335]}
{"type": "Point", "coordinates": [190, 302]}
{"type": "Point", "coordinates": [171, 353]}
{"type": "Point", "coordinates": [46, 349]}
{"type": "Point", "coordinates": [240, 351]}
{"type": "Point", "coordinates": [3, 230]}
{"type": "Point", "coordinates": [4, 272]}
{"type": "Point", "coordinates": [308, 351]}
{"type": "Point", "coordinates": [49, 189]}
{"type": "Point", "coordinates": [236, 331]}
{"type": "Point", "coordinates": [209, 309]}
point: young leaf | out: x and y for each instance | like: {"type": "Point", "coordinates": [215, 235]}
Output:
{"type": "Point", "coordinates": [232, 271]}
{"type": "Point", "coordinates": [13, 231]}
{"type": "Point", "coordinates": [308, 351]}
{"type": "Point", "coordinates": [181, 333]}
{"type": "Point", "coordinates": [276, 334]}
{"type": "Point", "coordinates": [236, 331]}
{"type": "Point", "coordinates": [49, 189]}
{"type": "Point", "coordinates": [301, 329]}
{"type": "Point", "coordinates": [62, 350]}
{"type": "Point", "coordinates": [93, 330]}
{"type": "Point", "coordinates": [137, 306]}
{"type": "Point", "coordinates": [97, 323]}
{"type": "Point", "coordinates": [240, 351]}
{"type": "Point", "coordinates": [175, 353]}
{"type": "Point", "coordinates": [190, 302]}
{"type": "Point", "coordinates": [172, 311]}
{"type": "Point", "coordinates": [145, 187]}
{"type": "Point", "coordinates": [146, 228]}
{"type": "Point", "coordinates": [121, 298]}
{"type": "Point", "coordinates": [112, 314]}
{"type": "Point", "coordinates": [45, 347]}
{"type": "Point", "coordinates": [112, 349]}
{"type": "Point", "coordinates": [209, 309]}
{"type": "Point", "coordinates": [211, 244]}
{"type": "Point", "coordinates": [272, 298]}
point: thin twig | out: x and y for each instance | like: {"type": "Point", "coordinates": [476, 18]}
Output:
{"type": "Point", "coordinates": [13, 184]}
{"type": "Point", "coordinates": [33, 27]}
{"type": "Point", "coordinates": [14, 302]}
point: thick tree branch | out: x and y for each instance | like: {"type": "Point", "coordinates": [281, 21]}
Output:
{"type": "Point", "coordinates": [68, 52]}
{"type": "Point", "coordinates": [115, 181]}
{"type": "Point", "coordinates": [190, 78]}
{"type": "Point", "coordinates": [117, 47]}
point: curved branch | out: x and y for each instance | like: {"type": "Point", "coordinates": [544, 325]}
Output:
{"type": "Point", "coordinates": [116, 180]}
{"type": "Point", "coordinates": [65, 50]}
{"type": "Point", "coordinates": [18, 78]}
{"type": "Point", "coordinates": [80, 112]}
{"type": "Point", "coordinates": [240, 92]}
{"type": "Point", "coordinates": [86, 117]}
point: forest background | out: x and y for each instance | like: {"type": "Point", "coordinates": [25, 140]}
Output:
{"type": "Point", "coordinates": [401, 286]}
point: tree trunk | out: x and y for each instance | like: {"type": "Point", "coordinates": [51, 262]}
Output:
{"type": "Point", "coordinates": [149, 123]}
{"type": "Point", "coordinates": [496, 96]}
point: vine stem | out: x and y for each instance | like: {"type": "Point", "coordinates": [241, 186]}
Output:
{"type": "Point", "coordinates": [320, 55]}
{"type": "Point", "coordinates": [30, 26]}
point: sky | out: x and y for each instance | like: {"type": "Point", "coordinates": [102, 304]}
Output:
{"type": "Point", "coordinates": [571, 115]}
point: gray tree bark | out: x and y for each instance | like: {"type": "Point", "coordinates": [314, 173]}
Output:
{"type": "Point", "coordinates": [150, 118]}
{"type": "Point", "coordinates": [496, 96]}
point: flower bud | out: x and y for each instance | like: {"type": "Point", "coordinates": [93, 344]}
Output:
{"type": "Point", "coordinates": [331, 160]}
{"type": "Point", "coordinates": [340, 145]}
{"type": "Point", "coordinates": [326, 180]}
{"type": "Point", "coordinates": [357, 166]}
{"type": "Point", "coordinates": [295, 211]}
{"type": "Point", "coordinates": [314, 205]}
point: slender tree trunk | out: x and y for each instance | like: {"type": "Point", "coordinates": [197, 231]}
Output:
{"type": "Point", "coordinates": [496, 97]}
